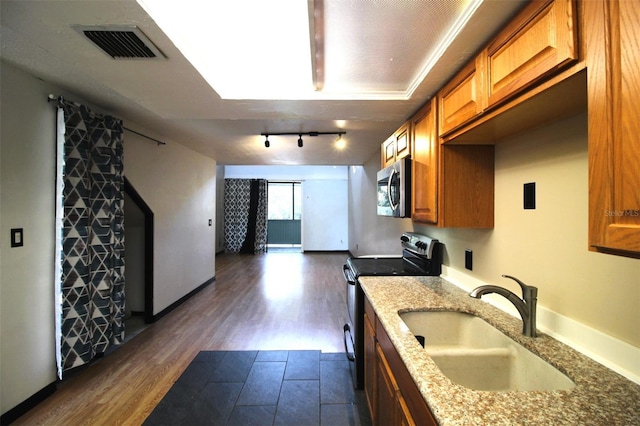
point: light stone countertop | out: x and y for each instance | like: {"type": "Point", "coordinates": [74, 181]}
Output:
{"type": "Point", "coordinates": [600, 397]}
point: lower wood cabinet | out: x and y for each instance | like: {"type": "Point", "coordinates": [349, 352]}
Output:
{"type": "Point", "coordinates": [393, 396]}
{"type": "Point", "coordinates": [388, 395]}
{"type": "Point", "coordinates": [371, 380]}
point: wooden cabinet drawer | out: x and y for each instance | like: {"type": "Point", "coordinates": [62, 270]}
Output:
{"type": "Point", "coordinates": [538, 42]}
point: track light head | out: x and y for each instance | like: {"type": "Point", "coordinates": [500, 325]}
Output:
{"type": "Point", "coordinates": [300, 141]}
{"type": "Point", "coordinates": [266, 141]}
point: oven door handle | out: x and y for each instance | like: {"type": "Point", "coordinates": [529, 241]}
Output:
{"type": "Point", "coordinates": [348, 275]}
{"type": "Point", "coordinates": [346, 329]}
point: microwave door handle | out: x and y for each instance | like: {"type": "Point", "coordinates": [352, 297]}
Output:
{"type": "Point", "coordinates": [389, 190]}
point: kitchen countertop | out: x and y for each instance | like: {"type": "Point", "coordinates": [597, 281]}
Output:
{"type": "Point", "coordinates": [600, 397]}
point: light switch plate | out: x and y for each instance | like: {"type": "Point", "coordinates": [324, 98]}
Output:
{"type": "Point", "coordinates": [17, 237]}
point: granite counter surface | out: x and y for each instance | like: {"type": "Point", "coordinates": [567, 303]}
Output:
{"type": "Point", "coordinates": [600, 397]}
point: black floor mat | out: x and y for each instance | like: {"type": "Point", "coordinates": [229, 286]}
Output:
{"type": "Point", "coordinates": [263, 388]}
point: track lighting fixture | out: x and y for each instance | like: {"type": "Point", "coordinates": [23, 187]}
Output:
{"type": "Point", "coordinates": [267, 144]}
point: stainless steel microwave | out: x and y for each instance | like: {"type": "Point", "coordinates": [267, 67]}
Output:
{"type": "Point", "coordinates": [394, 189]}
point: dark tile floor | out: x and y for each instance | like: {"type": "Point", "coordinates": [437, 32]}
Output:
{"type": "Point", "coordinates": [263, 388]}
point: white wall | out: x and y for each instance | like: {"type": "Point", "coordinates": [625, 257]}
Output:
{"type": "Point", "coordinates": [368, 232]}
{"type": "Point", "coordinates": [178, 184]}
{"type": "Point", "coordinates": [27, 194]}
{"type": "Point", "coordinates": [324, 215]}
{"type": "Point", "coordinates": [584, 298]}
{"type": "Point", "coordinates": [325, 220]}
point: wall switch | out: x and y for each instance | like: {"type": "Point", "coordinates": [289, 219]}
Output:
{"type": "Point", "coordinates": [529, 196]}
{"type": "Point", "coordinates": [17, 237]}
{"type": "Point", "coordinates": [468, 259]}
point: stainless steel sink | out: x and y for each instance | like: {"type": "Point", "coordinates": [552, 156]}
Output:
{"type": "Point", "coordinates": [476, 355]}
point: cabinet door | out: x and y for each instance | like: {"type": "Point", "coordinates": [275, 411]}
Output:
{"type": "Point", "coordinates": [387, 404]}
{"type": "Point", "coordinates": [424, 178]}
{"type": "Point", "coordinates": [539, 41]}
{"type": "Point", "coordinates": [406, 419]}
{"type": "Point", "coordinates": [370, 379]}
{"type": "Point", "coordinates": [403, 141]}
{"type": "Point", "coordinates": [463, 98]}
{"type": "Point", "coordinates": [388, 152]}
{"type": "Point", "coordinates": [613, 85]}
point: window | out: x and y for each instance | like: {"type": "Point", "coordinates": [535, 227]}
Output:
{"type": "Point", "coordinates": [285, 201]}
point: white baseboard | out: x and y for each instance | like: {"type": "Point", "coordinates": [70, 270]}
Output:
{"type": "Point", "coordinates": [615, 354]}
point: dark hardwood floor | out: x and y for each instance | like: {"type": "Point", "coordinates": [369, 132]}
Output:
{"type": "Point", "coordinates": [275, 301]}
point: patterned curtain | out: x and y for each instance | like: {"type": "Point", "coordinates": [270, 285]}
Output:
{"type": "Point", "coordinates": [245, 215]}
{"type": "Point", "coordinates": [92, 275]}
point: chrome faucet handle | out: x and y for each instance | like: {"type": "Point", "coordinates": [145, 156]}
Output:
{"type": "Point", "coordinates": [528, 291]}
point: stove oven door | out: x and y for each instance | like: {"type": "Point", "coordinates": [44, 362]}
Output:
{"type": "Point", "coordinates": [353, 338]}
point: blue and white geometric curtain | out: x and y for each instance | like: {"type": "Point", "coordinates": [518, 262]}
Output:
{"type": "Point", "coordinates": [245, 216]}
{"type": "Point", "coordinates": [92, 239]}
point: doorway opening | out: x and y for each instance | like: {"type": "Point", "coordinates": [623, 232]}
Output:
{"type": "Point", "coordinates": [284, 217]}
{"type": "Point", "coordinates": [138, 229]}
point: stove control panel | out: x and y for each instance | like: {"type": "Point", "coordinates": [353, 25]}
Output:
{"type": "Point", "coordinates": [418, 243]}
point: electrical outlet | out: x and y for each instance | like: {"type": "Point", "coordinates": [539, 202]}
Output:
{"type": "Point", "coordinates": [468, 259]}
{"type": "Point", "coordinates": [529, 195]}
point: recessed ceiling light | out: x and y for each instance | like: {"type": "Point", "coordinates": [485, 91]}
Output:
{"type": "Point", "coordinates": [243, 49]}
{"type": "Point", "coordinates": [256, 49]}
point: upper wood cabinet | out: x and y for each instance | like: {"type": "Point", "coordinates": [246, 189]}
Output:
{"type": "Point", "coordinates": [397, 146]}
{"type": "Point", "coordinates": [424, 173]}
{"type": "Point", "coordinates": [466, 186]}
{"type": "Point", "coordinates": [613, 84]}
{"type": "Point", "coordinates": [463, 98]}
{"type": "Point", "coordinates": [538, 42]}
{"type": "Point", "coordinates": [522, 79]}
{"type": "Point", "coordinates": [388, 152]}
{"type": "Point", "coordinates": [452, 186]}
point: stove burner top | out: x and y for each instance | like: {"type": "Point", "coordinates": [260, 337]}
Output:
{"type": "Point", "coordinates": [384, 266]}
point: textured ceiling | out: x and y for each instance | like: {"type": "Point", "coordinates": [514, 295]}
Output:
{"type": "Point", "coordinates": [370, 46]}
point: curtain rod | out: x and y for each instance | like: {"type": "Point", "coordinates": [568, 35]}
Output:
{"type": "Point", "coordinates": [159, 142]}
{"type": "Point", "coordinates": [52, 98]}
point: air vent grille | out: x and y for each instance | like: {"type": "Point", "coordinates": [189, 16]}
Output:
{"type": "Point", "coordinates": [122, 42]}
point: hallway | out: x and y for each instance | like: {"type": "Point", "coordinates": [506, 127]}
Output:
{"type": "Point", "coordinates": [273, 301]}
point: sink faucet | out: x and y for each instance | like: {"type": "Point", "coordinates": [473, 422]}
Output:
{"type": "Point", "coordinates": [526, 306]}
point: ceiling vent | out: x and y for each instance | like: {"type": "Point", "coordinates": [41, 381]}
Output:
{"type": "Point", "coordinates": [121, 42]}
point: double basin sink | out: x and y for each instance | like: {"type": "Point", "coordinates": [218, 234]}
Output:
{"type": "Point", "coordinates": [474, 354]}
